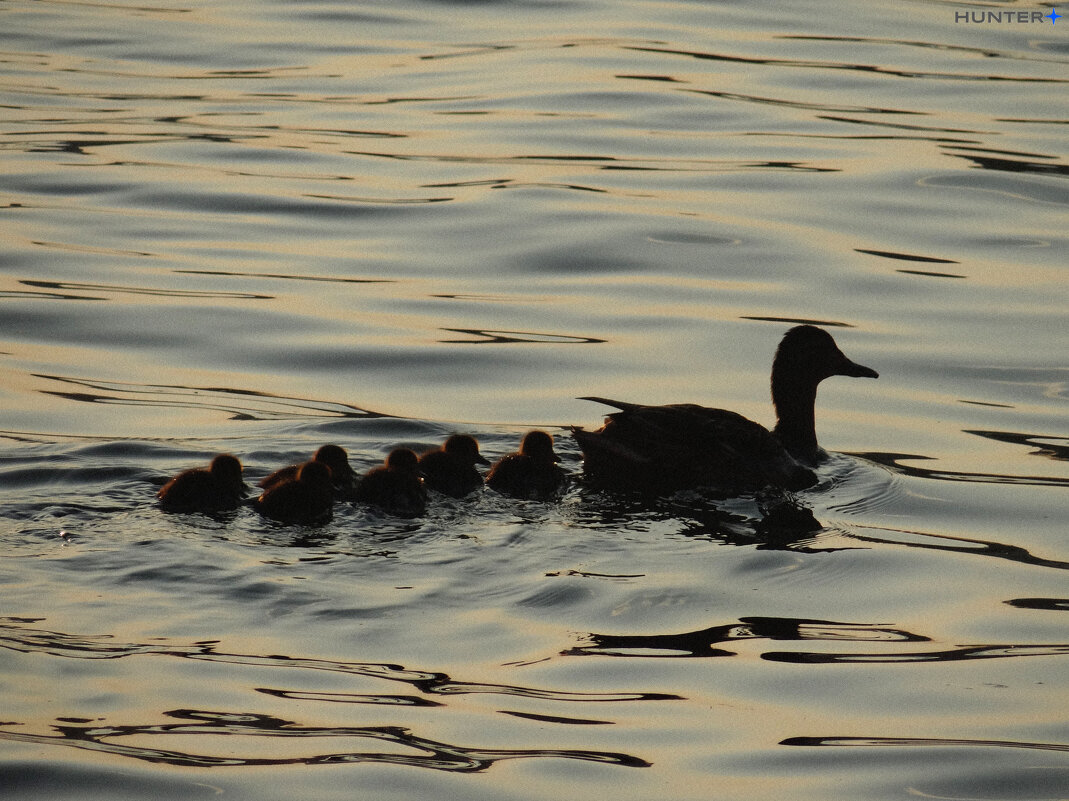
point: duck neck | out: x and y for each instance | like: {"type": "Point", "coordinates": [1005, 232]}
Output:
{"type": "Point", "coordinates": [795, 427]}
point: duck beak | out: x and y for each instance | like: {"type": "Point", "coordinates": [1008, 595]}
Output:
{"type": "Point", "coordinates": [482, 460]}
{"type": "Point", "coordinates": [855, 370]}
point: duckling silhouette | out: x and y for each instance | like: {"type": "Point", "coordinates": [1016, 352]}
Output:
{"type": "Point", "coordinates": [213, 489]}
{"type": "Point", "coordinates": [665, 448]}
{"type": "Point", "coordinates": [532, 474]}
{"type": "Point", "coordinates": [307, 499]}
{"type": "Point", "coordinates": [450, 469]}
{"type": "Point", "coordinates": [333, 456]}
{"type": "Point", "coordinates": [396, 486]}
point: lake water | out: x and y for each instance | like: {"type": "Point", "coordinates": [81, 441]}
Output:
{"type": "Point", "coordinates": [257, 228]}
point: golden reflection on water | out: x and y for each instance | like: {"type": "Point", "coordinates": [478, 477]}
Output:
{"type": "Point", "coordinates": [379, 225]}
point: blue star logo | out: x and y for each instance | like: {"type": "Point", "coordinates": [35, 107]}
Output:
{"type": "Point", "coordinates": [1053, 16]}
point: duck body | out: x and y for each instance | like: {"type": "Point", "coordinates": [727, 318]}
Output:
{"type": "Point", "coordinates": [450, 469]}
{"type": "Point", "coordinates": [217, 488]}
{"type": "Point", "coordinates": [396, 486]}
{"type": "Point", "coordinates": [307, 499]}
{"type": "Point", "coordinates": [678, 446]}
{"type": "Point", "coordinates": [681, 446]}
{"type": "Point", "coordinates": [333, 456]}
{"type": "Point", "coordinates": [530, 474]}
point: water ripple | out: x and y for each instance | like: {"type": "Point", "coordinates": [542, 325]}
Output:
{"type": "Point", "coordinates": [961, 654]}
{"type": "Point", "coordinates": [919, 742]}
{"type": "Point", "coordinates": [430, 754]}
{"type": "Point", "coordinates": [17, 637]}
{"type": "Point", "coordinates": [241, 404]}
{"type": "Point", "coordinates": [701, 643]}
{"type": "Point", "coordinates": [894, 461]}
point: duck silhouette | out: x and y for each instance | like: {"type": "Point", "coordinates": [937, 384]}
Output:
{"type": "Point", "coordinates": [333, 456]}
{"type": "Point", "coordinates": [678, 446]}
{"type": "Point", "coordinates": [450, 469]}
{"type": "Point", "coordinates": [396, 486]}
{"type": "Point", "coordinates": [216, 488]}
{"type": "Point", "coordinates": [306, 499]}
{"type": "Point", "coordinates": [532, 473]}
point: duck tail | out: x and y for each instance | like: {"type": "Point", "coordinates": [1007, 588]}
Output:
{"type": "Point", "coordinates": [623, 406]}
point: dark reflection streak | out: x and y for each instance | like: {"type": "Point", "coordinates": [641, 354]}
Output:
{"type": "Point", "coordinates": [797, 104]}
{"type": "Point", "coordinates": [236, 413]}
{"type": "Point", "coordinates": [556, 719]}
{"type": "Point", "coordinates": [663, 78]}
{"type": "Point", "coordinates": [903, 127]}
{"type": "Point", "coordinates": [17, 638]}
{"type": "Point", "coordinates": [893, 462]}
{"type": "Point", "coordinates": [290, 277]}
{"type": "Point", "coordinates": [890, 254]}
{"type": "Point", "coordinates": [1045, 604]}
{"type": "Point", "coordinates": [797, 321]}
{"type": "Point", "coordinates": [508, 337]}
{"type": "Point", "coordinates": [349, 698]}
{"type": "Point", "coordinates": [931, 274]}
{"type": "Point", "coordinates": [598, 162]}
{"type": "Point", "coordinates": [1028, 121]}
{"type": "Point", "coordinates": [827, 65]}
{"type": "Point", "coordinates": [1028, 154]}
{"type": "Point", "coordinates": [963, 654]}
{"type": "Point", "coordinates": [130, 290]}
{"type": "Point", "coordinates": [1012, 165]}
{"type": "Point", "coordinates": [700, 643]}
{"type": "Point", "coordinates": [87, 249]}
{"type": "Point", "coordinates": [178, 396]}
{"type": "Point", "coordinates": [1042, 443]}
{"type": "Point", "coordinates": [926, 742]}
{"type": "Point", "coordinates": [430, 753]}
{"type": "Point", "coordinates": [414, 201]}
{"type": "Point", "coordinates": [906, 43]}
{"type": "Point", "coordinates": [46, 295]}
{"type": "Point", "coordinates": [999, 550]}
{"type": "Point", "coordinates": [81, 148]}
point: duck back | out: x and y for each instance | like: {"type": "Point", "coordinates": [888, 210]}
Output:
{"type": "Point", "coordinates": [679, 446]}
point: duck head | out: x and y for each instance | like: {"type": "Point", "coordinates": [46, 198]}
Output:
{"type": "Point", "coordinates": [403, 460]}
{"type": "Point", "coordinates": [227, 471]}
{"type": "Point", "coordinates": [465, 448]}
{"type": "Point", "coordinates": [335, 457]}
{"type": "Point", "coordinates": [538, 445]}
{"type": "Point", "coordinates": [805, 357]}
{"type": "Point", "coordinates": [316, 474]}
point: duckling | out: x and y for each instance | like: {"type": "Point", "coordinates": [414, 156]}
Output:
{"type": "Point", "coordinates": [307, 499]}
{"type": "Point", "coordinates": [532, 473]}
{"type": "Point", "coordinates": [396, 486]}
{"type": "Point", "coordinates": [213, 489]}
{"type": "Point", "coordinates": [665, 448]}
{"type": "Point", "coordinates": [450, 469]}
{"type": "Point", "coordinates": [333, 456]}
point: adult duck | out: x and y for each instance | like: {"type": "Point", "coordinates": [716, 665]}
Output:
{"type": "Point", "coordinates": [664, 448]}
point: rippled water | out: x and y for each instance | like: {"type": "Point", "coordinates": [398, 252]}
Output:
{"type": "Point", "coordinates": [262, 227]}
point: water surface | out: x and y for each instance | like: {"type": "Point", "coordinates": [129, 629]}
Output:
{"type": "Point", "coordinates": [259, 229]}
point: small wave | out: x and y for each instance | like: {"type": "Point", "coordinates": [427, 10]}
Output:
{"type": "Point", "coordinates": [422, 752]}
{"type": "Point", "coordinates": [961, 654]}
{"type": "Point", "coordinates": [924, 742]}
{"type": "Point", "coordinates": [241, 404]}
{"type": "Point", "coordinates": [703, 643]}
